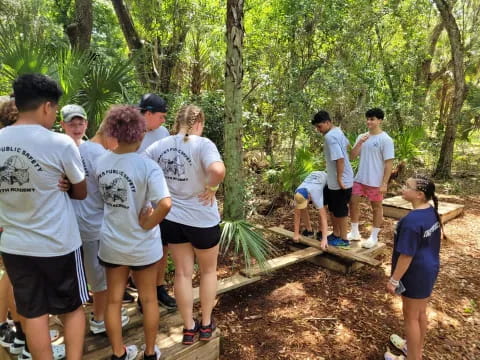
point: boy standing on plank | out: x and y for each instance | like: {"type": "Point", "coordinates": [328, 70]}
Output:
{"type": "Point", "coordinates": [339, 176]}
{"type": "Point", "coordinates": [40, 243]}
{"type": "Point", "coordinates": [376, 152]}
{"type": "Point", "coordinates": [311, 188]}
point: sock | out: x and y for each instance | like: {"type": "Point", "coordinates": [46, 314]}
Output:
{"type": "Point", "coordinates": [355, 228]}
{"type": "Point", "coordinates": [375, 232]}
{"type": "Point", "coordinates": [19, 334]}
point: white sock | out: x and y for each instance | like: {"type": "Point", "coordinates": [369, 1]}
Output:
{"type": "Point", "coordinates": [375, 232]}
{"type": "Point", "coordinates": [355, 228]}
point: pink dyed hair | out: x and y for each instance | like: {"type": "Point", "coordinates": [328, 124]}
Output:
{"type": "Point", "coordinates": [125, 123]}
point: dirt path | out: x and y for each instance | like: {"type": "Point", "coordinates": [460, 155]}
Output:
{"type": "Point", "coordinates": [307, 312]}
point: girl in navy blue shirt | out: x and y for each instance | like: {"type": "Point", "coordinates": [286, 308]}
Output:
{"type": "Point", "coordinates": [415, 263]}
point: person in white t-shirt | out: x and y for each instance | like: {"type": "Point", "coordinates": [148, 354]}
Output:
{"type": "Point", "coordinates": [312, 188]}
{"type": "Point", "coordinates": [154, 108]}
{"type": "Point", "coordinates": [193, 169]}
{"type": "Point", "coordinates": [376, 152]}
{"type": "Point", "coordinates": [40, 244]}
{"type": "Point", "coordinates": [90, 211]}
{"type": "Point", "coordinates": [130, 233]}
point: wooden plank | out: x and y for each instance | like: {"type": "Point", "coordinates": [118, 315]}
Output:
{"type": "Point", "coordinates": [345, 253]}
{"type": "Point", "coordinates": [282, 261]}
{"type": "Point", "coordinates": [396, 207]}
{"type": "Point", "coordinates": [228, 284]}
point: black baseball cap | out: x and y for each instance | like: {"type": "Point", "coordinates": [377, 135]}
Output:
{"type": "Point", "coordinates": [152, 103]}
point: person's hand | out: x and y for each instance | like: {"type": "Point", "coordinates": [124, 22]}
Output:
{"type": "Point", "coordinates": [340, 183]}
{"type": "Point", "coordinates": [363, 138]}
{"type": "Point", "coordinates": [391, 288]}
{"type": "Point", "coordinates": [383, 188]}
{"type": "Point", "coordinates": [144, 218]}
{"type": "Point", "coordinates": [207, 197]}
{"type": "Point", "coordinates": [64, 184]}
{"type": "Point", "coordinates": [324, 244]}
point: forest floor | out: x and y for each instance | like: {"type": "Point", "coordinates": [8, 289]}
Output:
{"type": "Point", "coordinates": [308, 312]}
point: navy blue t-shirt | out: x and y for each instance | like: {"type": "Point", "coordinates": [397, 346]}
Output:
{"type": "Point", "coordinates": [418, 235]}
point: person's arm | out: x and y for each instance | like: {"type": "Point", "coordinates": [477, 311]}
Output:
{"type": "Point", "coordinates": [356, 149]}
{"type": "Point", "coordinates": [340, 165]}
{"type": "Point", "coordinates": [215, 175]}
{"type": "Point", "coordinates": [78, 191]}
{"type": "Point", "coordinates": [323, 227]}
{"type": "Point", "coordinates": [149, 217]}
{"type": "Point", "coordinates": [386, 175]}
{"type": "Point", "coordinates": [296, 224]}
{"type": "Point", "coordinates": [403, 263]}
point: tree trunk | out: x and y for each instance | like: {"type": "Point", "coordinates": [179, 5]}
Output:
{"type": "Point", "coordinates": [234, 180]}
{"type": "Point", "coordinates": [80, 31]}
{"type": "Point", "coordinates": [444, 165]}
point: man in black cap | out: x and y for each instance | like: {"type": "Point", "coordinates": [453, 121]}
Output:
{"type": "Point", "coordinates": [154, 109]}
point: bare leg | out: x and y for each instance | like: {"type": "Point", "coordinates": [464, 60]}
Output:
{"type": "Point", "coordinates": [336, 226]}
{"type": "Point", "coordinates": [38, 337]}
{"type": "Point", "coordinates": [99, 305]}
{"type": "Point", "coordinates": [74, 327]}
{"type": "Point", "coordinates": [355, 208]}
{"type": "Point", "coordinates": [4, 292]}
{"type": "Point", "coordinates": [306, 219]}
{"type": "Point", "coordinates": [342, 224]}
{"type": "Point", "coordinates": [207, 260]}
{"type": "Point", "coordinates": [413, 332]}
{"type": "Point", "coordinates": [147, 291]}
{"type": "Point", "coordinates": [184, 258]}
{"type": "Point", "coordinates": [116, 282]}
{"type": "Point", "coordinates": [162, 267]}
{"type": "Point", "coordinates": [377, 209]}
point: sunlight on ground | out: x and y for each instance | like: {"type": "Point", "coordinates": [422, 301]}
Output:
{"type": "Point", "coordinates": [344, 335]}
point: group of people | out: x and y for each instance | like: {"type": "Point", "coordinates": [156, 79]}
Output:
{"type": "Point", "coordinates": [112, 206]}
{"type": "Point", "coordinates": [416, 248]}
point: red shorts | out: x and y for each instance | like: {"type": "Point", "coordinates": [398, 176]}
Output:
{"type": "Point", "coordinates": [370, 192]}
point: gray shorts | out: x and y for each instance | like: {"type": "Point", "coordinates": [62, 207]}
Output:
{"type": "Point", "coordinates": [95, 272]}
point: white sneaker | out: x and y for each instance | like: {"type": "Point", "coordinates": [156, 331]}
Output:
{"type": "Point", "coordinates": [98, 327]}
{"type": "Point", "coordinates": [17, 347]}
{"type": "Point", "coordinates": [370, 243]}
{"type": "Point", "coordinates": [355, 236]}
{"type": "Point", "coordinates": [58, 352]}
{"type": "Point", "coordinates": [132, 352]}
{"type": "Point", "coordinates": [157, 351]}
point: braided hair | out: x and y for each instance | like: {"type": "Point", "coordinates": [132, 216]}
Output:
{"type": "Point", "coordinates": [424, 184]}
{"type": "Point", "coordinates": [187, 116]}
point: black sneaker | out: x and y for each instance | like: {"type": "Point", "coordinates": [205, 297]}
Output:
{"type": "Point", "coordinates": [307, 233]}
{"type": "Point", "coordinates": [7, 336]}
{"type": "Point", "coordinates": [207, 331]}
{"type": "Point", "coordinates": [189, 334]}
{"type": "Point", "coordinates": [164, 299]}
{"type": "Point", "coordinates": [127, 298]}
{"type": "Point", "coordinates": [319, 236]}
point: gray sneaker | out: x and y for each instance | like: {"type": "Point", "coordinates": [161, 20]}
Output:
{"type": "Point", "coordinates": [98, 327]}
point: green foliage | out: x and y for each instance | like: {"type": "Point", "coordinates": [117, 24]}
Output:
{"type": "Point", "coordinates": [241, 237]}
{"type": "Point", "coordinates": [289, 176]}
{"type": "Point", "coordinates": [407, 143]}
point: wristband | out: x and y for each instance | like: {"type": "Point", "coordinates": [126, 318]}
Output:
{"type": "Point", "coordinates": [393, 281]}
{"type": "Point", "coordinates": [212, 188]}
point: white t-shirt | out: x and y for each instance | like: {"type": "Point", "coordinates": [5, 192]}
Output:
{"type": "Point", "coordinates": [38, 219]}
{"type": "Point", "coordinates": [314, 183]}
{"type": "Point", "coordinates": [127, 182]}
{"type": "Point", "coordinates": [152, 136]}
{"type": "Point", "coordinates": [185, 167]}
{"type": "Point", "coordinates": [335, 147]}
{"type": "Point", "coordinates": [373, 154]}
{"type": "Point", "coordinates": [90, 211]}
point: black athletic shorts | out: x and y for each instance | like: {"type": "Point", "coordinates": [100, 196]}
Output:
{"type": "Point", "coordinates": [200, 238]}
{"type": "Point", "coordinates": [337, 201]}
{"type": "Point", "coordinates": [47, 285]}
{"type": "Point", "coordinates": [132, 267]}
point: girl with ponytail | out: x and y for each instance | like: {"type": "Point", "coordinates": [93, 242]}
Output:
{"type": "Point", "coordinates": [415, 264]}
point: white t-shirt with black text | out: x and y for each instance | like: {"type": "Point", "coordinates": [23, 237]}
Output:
{"type": "Point", "coordinates": [373, 154]}
{"type": "Point", "coordinates": [335, 147]}
{"type": "Point", "coordinates": [127, 182]}
{"type": "Point", "coordinates": [152, 136]}
{"type": "Point", "coordinates": [314, 183]}
{"type": "Point", "coordinates": [90, 211]}
{"type": "Point", "coordinates": [37, 218]}
{"type": "Point", "coordinates": [185, 167]}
